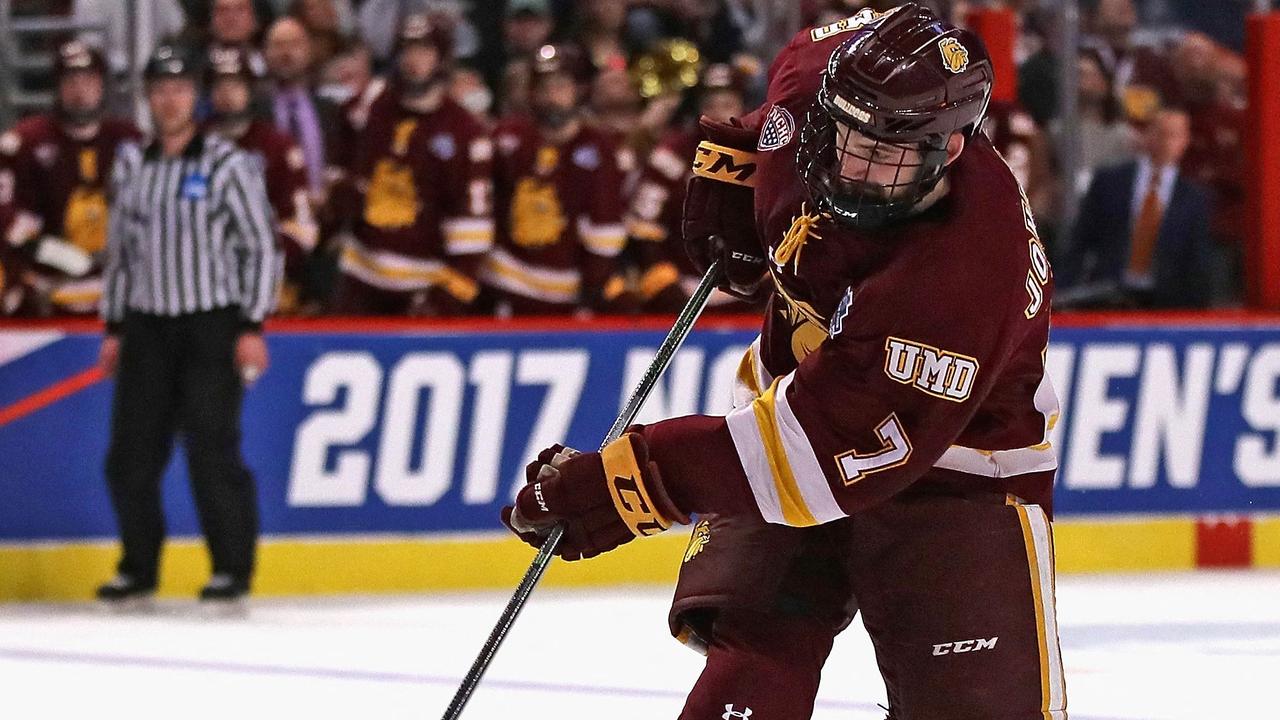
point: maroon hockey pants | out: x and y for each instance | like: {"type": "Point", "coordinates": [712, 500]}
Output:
{"type": "Point", "coordinates": [957, 596]}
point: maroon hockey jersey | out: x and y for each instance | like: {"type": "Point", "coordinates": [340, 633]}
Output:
{"type": "Point", "coordinates": [888, 359]}
{"type": "Point", "coordinates": [59, 188]}
{"type": "Point", "coordinates": [423, 192]}
{"type": "Point", "coordinates": [284, 169]}
{"type": "Point", "coordinates": [559, 215]}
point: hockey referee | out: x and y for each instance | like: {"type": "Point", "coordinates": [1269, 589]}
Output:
{"type": "Point", "coordinates": [191, 272]}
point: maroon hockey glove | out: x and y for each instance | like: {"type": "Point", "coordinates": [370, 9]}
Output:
{"type": "Point", "coordinates": [605, 499]}
{"type": "Point", "coordinates": [719, 208]}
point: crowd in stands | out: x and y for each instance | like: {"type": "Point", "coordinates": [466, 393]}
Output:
{"type": "Point", "coordinates": [529, 156]}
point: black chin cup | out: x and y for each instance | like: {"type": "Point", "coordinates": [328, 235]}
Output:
{"type": "Point", "coordinates": [859, 201]}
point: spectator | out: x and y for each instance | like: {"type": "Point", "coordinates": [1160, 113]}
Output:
{"type": "Point", "coordinates": [380, 20]}
{"type": "Point", "coordinates": [231, 85]}
{"type": "Point", "coordinates": [1140, 74]}
{"type": "Point", "coordinates": [1143, 234]}
{"type": "Point", "coordinates": [557, 188]}
{"type": "Point", "coordinates": [1105, 138]}
{"type": "Point", "coordinates": [528, 27]}
{"type": "Point", "coordinates": [324, 23]}
{"type": "Point", "coordinates": [1039, 71]}
{"type": "Point", "coordinates": [655, 213]}
{"type": "Point", "coordinates": [297, 110]}
{"type": "Point", "coordinates": [167, 20]}
{"type": "Point", "coordinates": [600, 32]}
{"type": "Point", "coordinates": [54, 167]}
{"type": "Point", "coordinates": [419, 189]}
{"type": "Point", "coordinates": [234, 25]}
{"type": "Point", "coordinates": [1216, 156]}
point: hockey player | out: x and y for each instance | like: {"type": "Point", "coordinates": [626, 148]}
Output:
{"type": "Point", "coordinates": [890, 441]}
{"type": "Point", "coordinates": [230, 81]}
{"type": "Point", "coordinates": [558, 192]}
{"type": "Point", "coordinates": [56, 165]}
{"type": "Point", "coordinates": [420, 174]}
{"type": "Point", "coordinates": [654, 216]}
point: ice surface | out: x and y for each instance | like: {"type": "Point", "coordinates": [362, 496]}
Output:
{"type": "Point", "coordinates": [1202, 645]}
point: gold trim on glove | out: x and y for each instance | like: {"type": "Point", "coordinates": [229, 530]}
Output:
{"type": "Point", "coordinates": [725, 164]}
{"type": "Point", "coordinates": [627, 489]}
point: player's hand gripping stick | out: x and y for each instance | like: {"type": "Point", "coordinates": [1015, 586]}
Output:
{"type": "Point", "coordinates": [679, 331]}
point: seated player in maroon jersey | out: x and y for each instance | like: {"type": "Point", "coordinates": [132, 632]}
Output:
{"type": "Point", "coordinates": [888, 453]}
{"type": "Point", "coordinates": [413, 186]}
{"type": "Point", "coordinates": [53, 173]}
{"type": "Point", "coordinates": [557, 199]}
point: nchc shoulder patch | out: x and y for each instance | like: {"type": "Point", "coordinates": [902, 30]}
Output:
{"type": "Point", "coordinates": [779, 128]}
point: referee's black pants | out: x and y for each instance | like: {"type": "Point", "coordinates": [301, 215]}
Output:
{"type": "Point", "coordinates": [179, 374]}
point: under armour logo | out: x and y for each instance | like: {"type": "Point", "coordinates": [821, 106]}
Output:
{"type": "Point", "coordinates": [730, 713]}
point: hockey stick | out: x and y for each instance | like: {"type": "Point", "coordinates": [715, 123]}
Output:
{"type": "Point", "coordinates": [684, 323]}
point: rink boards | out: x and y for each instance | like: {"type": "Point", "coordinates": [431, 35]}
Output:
{"type": "Point", "coordinates": [383, 450]}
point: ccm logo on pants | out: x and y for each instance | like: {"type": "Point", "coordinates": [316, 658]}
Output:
{"type": "Point", "coordinates": [964, 646]}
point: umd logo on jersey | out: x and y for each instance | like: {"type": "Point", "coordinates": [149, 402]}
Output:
{"type": "Point", "coordinates": [955, 57]}
{"type": "Point", "coordinates": [943, 374]}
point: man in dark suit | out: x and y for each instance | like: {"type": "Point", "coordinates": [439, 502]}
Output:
{"type": "Point", "coordinates": [1143, 238]}
{"type": "Point", "coordinates": [295, 108]}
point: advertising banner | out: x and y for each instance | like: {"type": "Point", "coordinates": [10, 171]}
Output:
{"type": "Point", "coordinates": [401, 429]}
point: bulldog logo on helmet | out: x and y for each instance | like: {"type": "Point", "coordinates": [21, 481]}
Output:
{"type": "Point", "coordinates": [955, 57]}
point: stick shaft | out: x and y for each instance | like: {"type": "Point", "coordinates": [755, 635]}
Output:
{"type": "Point", "coordinates": [679, 331]}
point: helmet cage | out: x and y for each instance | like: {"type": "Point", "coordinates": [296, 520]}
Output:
{"type": "Point", "coordinates": [856, 200]}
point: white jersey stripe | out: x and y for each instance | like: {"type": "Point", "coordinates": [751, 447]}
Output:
{"type": "Point", "coordinates": [804, 464]}
{"type": "Point", "coordinates": [751, 453]}
{"type": "Point", "coordinates": [999, 463]}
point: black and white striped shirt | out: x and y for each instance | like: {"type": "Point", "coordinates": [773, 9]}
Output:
{"type": "Point", "coordinates": [189, 233]}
